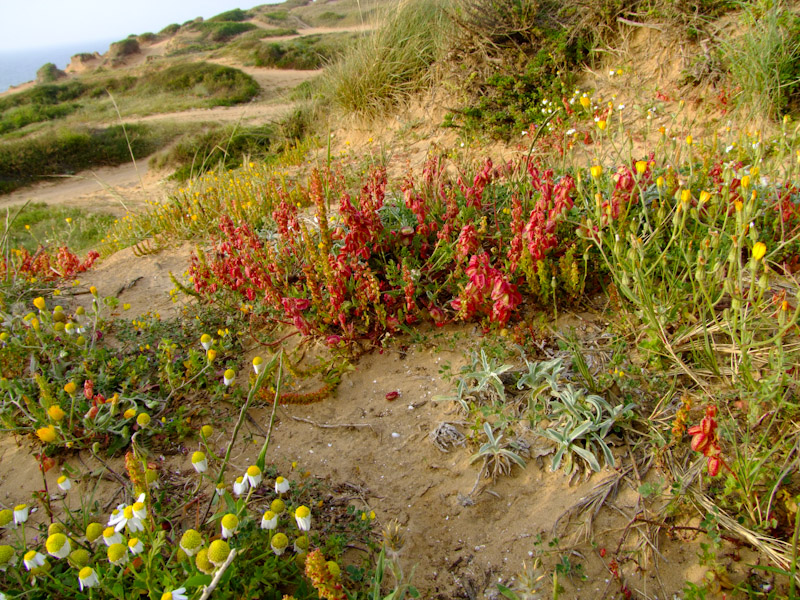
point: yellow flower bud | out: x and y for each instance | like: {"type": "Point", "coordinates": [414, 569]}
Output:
{"type": "Point", "coordinates": [759, 250]}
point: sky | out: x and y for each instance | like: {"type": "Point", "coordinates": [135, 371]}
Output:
{"type": "Point", "coordinates": [27, 24]}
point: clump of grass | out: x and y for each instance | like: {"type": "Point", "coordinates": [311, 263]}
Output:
{"type": "Point", "coordinates": [224, 86]}
{"type": "Point", "coordinates": [222, 31]}
{"type": "Point", "coordinates": [390, 64]}
{"type": "Point", "coordinates": [40, 224]}
{"type": "Point", "coordinates": [170, 29]}
{"type": "Point", "coordinates": [278, 32]}
{"type": "Point", "coordinates": [308, 52]}
{"type": "Point", "coordinates": [235, 15]}
{"type": "Point", "coordinates": [225, 147]}
{"type": "Point", "coordinates": [61, 151]}
{"type": "Point", "coordinates": [763, 60]}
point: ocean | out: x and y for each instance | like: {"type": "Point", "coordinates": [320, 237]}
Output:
{"type": "Point", "coordinates": [20, 66]}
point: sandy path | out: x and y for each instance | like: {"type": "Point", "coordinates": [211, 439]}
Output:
{"type": "Point", "coordinates": [111, 190]}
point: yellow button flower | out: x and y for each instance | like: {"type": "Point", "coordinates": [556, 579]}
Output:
{"type": "Point", "coordinates": [47, 434]}
{"type": "Point", "coordinates": [759, 250]}
{"type": "Point", "coordinates": [56, 413]}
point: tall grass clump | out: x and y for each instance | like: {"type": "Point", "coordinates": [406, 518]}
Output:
{"type": "Point", "coordinates": [763, 59]}
{"type": "Point", "coordinates": [388, 65]}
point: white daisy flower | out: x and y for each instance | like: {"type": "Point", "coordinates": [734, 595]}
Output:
{"type": "Point", "coordinates": [64, 484]}
{"type": "Point", "coordinates": [20, 514]}
{"type": "Point", "coordinates": [87, 578]}
{"type": "Point", "coordinates": [111, 536]}
{"type": "Point", "coordinates": [33, 559]}
{"type": "Point", "coordinates": [229, 524]}
{"type": "Point", "coordinates": [239, 486]}
{"type": "Point", "coordinates": [135, 546]}
{"type": "Point", "coordinates": [258, 365]}
{"type": "Point", "coordinates": [207, 341]}
{"type": "Point", "coordinates": [175, 594]}
{"type": "Point", "coordinates": [199, 462]}
{"type": "Point", "coordinates": [253, 476]}
{"type": "Point", "coordinates": [281, 485]}
{"type": "Point", "coordinates": [58, 545]}
{"type": "Point", "coordinates": [269, 520]}
{"type": "Point", "coordinates": [228, 376]}
{"type": "Point", "coordinates": [303, 517]}
{"type": "Point", "coordinates": [129, 520]}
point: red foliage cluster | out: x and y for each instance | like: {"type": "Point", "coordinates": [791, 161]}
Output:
{"type": "Point", "coordinates": [705, 440]}
{"type": "Point", "coordinates": [365, 274]}
{"type": "Point", "coordinates": [46, 266]}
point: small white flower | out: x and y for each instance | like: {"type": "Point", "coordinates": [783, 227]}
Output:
{"type": "Point", "coordinates": [206, 341]}
{"type": "Point", "coordinates": [111, 536]}
{"type": "Point", "coordinates": [281, 485]}
{"type": "Point", "coordinates": [229, 524]}
{"type": "Point", "coordinates": [303, 517]}
{"type": "Point", "coordinates": [570, 131]}
{"type": "Point", "coordinates": [258, 365]}
{"type": "Point", "coordinates": [87, 578]}
{"type": "Point", "coordinates": [129, 520]}
{"type": "Point", "coordinates": [228, 377]}
{"type": "Point", "coordinates": [199, 462]}
{"type": "Point", "coordinates": [20, 514]}
{"type": "Point", "coordinates": [33, 559]}
{"type": "Point", "coordinates": [253, 476]}
{"type": "Point", "coordinates": [58, 545]}
{"type": "Point", "coordinates": [64, 484]}
{"type": "Point", "coordinates": [220, 490]}
{"type": "Point", "coordinates": [269, 520]}
{"type": "Point", "coordinates": [239, 486]}
{"type": "Point", "coordinates": [135, 546]}
{"type": "Point", "coordinates": [611, 73]}
{"type": "Point", "coordinates": [178, 594]}
{"type": "Point", "coordinates": [139, 509]}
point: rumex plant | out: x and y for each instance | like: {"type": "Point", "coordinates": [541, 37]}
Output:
{"type": "Point", "coordinates": [383, 262]}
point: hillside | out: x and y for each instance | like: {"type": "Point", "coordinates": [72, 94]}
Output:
{"type": "Point", "coordinates": [454, 299]}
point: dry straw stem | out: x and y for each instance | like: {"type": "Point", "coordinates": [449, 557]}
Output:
{"type": "Point", "coordinates": [778, 551]}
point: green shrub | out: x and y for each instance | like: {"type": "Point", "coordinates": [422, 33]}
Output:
{"type": "Point", "coordinates": [329, 17]}
{"type": "Point", "coordinates": [222, 85]}
{"type": "Point", "coordinates": [170, 30]}
{"type": "Point", "coordinates": [21, 116]}
{"type": "Point", "coordinates": [280, 32]}
{"type": "Point", "coordinates": [49, 73]}
{"type": "Point", "coordinates": [277, 15]}
{"type": "Point", "coordinates": [307, 52]}
{"type": "Point", "coordinates": [147, 38]}
{"type": "Point", "coordinates": [237, 14]}
{"type": "Point", "coordinates": [124, 48]}
{"type": "Point", "coordinates": [221, 31]}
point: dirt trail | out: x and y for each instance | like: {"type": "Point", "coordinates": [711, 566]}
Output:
{"type": "Point", "coordinates": [113, 190]}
